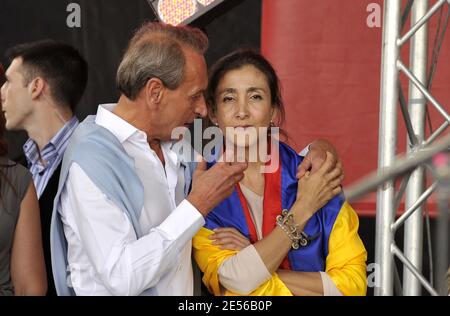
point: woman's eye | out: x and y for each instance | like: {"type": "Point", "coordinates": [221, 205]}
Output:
{"type": "Point", "coordinates": [227, 99]}
{"type": "Point", "coordinates": [256, 97]}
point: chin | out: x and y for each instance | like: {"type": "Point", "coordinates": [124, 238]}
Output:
{"type": "Point", "coordinates": [242, 142]}
{"type": "Point", "coordinates": [9, 126]}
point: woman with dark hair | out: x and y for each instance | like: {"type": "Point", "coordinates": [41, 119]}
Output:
{"type": "Point", "coordinates": [22, 268]}
{"type": "Point", "coordinates": [275, 235]}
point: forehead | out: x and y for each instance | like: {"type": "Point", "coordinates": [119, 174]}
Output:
{"type": "Point", "coordinates": [195, 69]}
{"type": "Point", "coordinates": [14, 67]}
{"type": "Point", "coordinates": [246, 76]}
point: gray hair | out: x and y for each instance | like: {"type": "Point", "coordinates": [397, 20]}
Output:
{"type": "Point", "coordinates": [156, 51]}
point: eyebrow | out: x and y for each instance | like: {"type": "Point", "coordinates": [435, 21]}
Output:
{"type": "Point", "coordinates": [198, 93]}
{"type": "Point", "coordinates": [251, 89]}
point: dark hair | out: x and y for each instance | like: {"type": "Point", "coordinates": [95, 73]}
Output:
{"type": "Point", "coordinates": [61, 65]}
{"type": "Point", "coordinates": [156, 51]}
{"type": "Point", "coordinates": [237, 60]}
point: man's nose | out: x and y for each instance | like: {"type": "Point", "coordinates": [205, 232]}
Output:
{"type": "Point", "coordinates": [201, 109]}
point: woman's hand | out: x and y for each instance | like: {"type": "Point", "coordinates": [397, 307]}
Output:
{"type": "Point", "coordinates": [315, 190]}
{"type": "Point", "coordinates": [229, 238]}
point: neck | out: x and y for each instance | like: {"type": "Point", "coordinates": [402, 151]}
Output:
{"type": "Point", "coordinates": [45, 125]}
{"type": "Point", "coordinates": [136, 113]}
{"type": "Point", "coordinates": [253, 177]}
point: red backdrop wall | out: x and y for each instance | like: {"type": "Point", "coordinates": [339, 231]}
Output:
{"type": "Point", "coordinates": [328, 60]}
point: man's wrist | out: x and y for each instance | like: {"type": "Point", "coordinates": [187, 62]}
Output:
{"type": "Point", "coordinates": [197, 203]}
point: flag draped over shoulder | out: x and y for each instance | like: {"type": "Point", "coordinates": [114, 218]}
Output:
{"type": "Point", "coordinates": [335, 246]}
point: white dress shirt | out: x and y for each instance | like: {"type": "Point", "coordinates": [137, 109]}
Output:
{"type": "Point", "coordinates": [104, 255]}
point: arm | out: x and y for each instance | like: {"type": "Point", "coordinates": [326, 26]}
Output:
{"type": "Point", "coordinates": [252, 272]}
{"type": "Point", "coordinates": [125, 265]}
{"type": "Point", "coordinates": [316, 190]}
{"type": "Point", "coordinates": [27, 258]}
{"type": "Point", "coordinates": [244, 271]}
{"type": "Point", "coordinates": [345, 264]}
{"type": "Point", "coordinates": [302, 283]}
{"type": "Point", "coordinates": [210, 258]}
{"type": "Point", "coordinates": [346, 260]}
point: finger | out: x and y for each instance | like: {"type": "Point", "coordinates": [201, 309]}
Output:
{"type": "Point", "coordinates": [237, 167]}
{"type": "Point", "coordinates": [335, 183]}
{"type": "Point", "coordinates": [231, 235]}
{"type": "Point", "coordinates": [241, 241]}
{"type": "Point", "coordinates": [230, 247]}
{"type": "Point", "coordinates": [303, 167]}
{"type": "Point", "coordinates": [329, 163]}
{"type": "Point", "coordinates": [339, 163]}
{"type": "Point", "coordinates": [228, 229]}
{"type": "Point", "coordinates": [333, 174]}
{"type": "Point", "coordinates": [222, 235]}
{"type": "Point", "coordinates": [341, 166]}
{"type": "Point", "coordinates": [227, 240]}
{"type": "Point", "coordinates": [337, 190]}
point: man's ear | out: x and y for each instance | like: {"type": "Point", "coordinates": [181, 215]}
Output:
{"type": "Point", "coordinates": [154, 91]}
{"type": "Point", "coordinates": [37, 87]}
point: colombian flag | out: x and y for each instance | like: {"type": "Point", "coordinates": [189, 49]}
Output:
{"type": "Point", "coordinates": [335, 246]}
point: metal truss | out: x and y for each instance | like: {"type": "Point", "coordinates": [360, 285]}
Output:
{"type": "Point", "coordinates": [414, 114]}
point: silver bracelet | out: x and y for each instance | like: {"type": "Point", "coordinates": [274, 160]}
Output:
{"type": "Point", "coordinates": [288, 225]}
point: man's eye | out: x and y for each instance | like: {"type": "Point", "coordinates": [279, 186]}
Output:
{"type": "Point", "coordinates": [256, 97]}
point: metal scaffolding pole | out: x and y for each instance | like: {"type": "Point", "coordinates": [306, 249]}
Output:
{"type": "Point", "coordinates": [387, 145]}
{"type": "Point", "coordinates": [413, 238]}
{"type": "Point", "coordinates": [416, 195]}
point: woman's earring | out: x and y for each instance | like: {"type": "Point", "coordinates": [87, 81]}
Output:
{"type": "Point", "coordinates": [272, 124]}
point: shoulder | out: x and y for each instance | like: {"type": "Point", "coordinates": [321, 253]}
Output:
{"type": "Point", "coordinates": [94, 144]}
{"type": "Point", "coordinates": [287, 153]}
{"type": "Point", "coordinates": [14, 175]}
{"type": "Point", "coordinates": [332, 210]}
{"type": "Point", "coordinates": [14, 182]}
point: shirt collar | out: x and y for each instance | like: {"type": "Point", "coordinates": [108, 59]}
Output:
{"type": "Point", "coordinates": [56, 144]}
{"type": "Point", "coordinates": [60, 138]}
{"type": "Point", "coordinates": [123, 130]}
{"type": "Point", "coordinates": [113, 123]}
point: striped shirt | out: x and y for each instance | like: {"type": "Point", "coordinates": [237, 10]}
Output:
{"type": "Point", "coordinates": [51, 154]}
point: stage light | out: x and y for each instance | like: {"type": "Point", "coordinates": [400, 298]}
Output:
{"type": "Point", "coordinates": [181, 11]}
